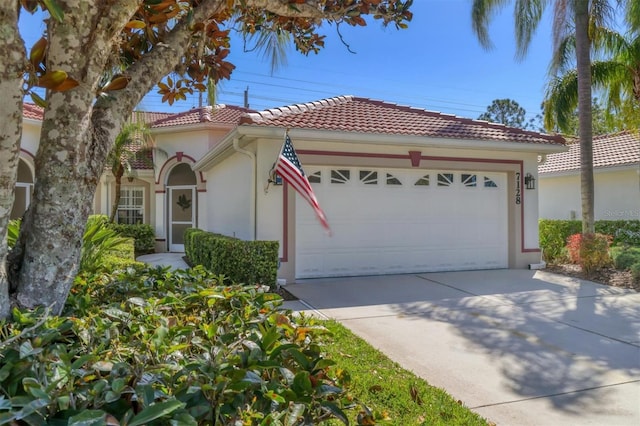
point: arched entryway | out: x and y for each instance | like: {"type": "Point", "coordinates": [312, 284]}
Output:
{"type": "Point", "coordinates": [23, 191]}
{"type": "Point", "coordinates": [182, 199]}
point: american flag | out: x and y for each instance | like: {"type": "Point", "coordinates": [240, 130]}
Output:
{"type": "Point", "coordinates": [288, 166]}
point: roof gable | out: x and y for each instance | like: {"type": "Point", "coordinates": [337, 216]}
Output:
{"type": "Point", "coordinates": [362, 115]}
{"type": "Point", "coordinates": [617, 149]}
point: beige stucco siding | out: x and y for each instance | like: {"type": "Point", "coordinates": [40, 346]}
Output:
{"type": "Point", "coordinates": [229, 185]}
{"type": "Point", "coordinates": [617, 195]}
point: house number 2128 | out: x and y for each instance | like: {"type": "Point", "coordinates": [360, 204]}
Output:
{"type": "Point", "coordinates": [518, 189]}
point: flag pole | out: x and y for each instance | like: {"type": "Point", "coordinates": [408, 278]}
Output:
{"type": "Point", "coordinates": [272, 175]}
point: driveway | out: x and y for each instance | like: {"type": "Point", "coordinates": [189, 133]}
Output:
{"type": "Point", "coordinates": [518, 347]}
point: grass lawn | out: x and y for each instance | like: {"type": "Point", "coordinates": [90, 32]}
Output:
{"type": "Point", "coordinates": [388, 389]}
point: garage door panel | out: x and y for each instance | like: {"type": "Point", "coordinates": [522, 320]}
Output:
{"type": "Point", "coordinates": [385, 229]}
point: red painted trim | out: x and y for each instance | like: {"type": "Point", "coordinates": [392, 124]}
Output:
{"type": "Point", "coordinates": [415, 157]}
{"type": "Point", "coordinates": [285, 221]}
{"type": "Point", "coordinates": [33, 157]}
{"type": "Point", "coordinates": [201, 190]}
{"type": "Point", "coordinates": [179, 160]}
{"type": "Point", "coordinates": [160, 191]}
{"type": "Point", "coordinates": [519, 163]}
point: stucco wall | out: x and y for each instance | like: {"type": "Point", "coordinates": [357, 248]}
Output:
{"type": "Point", "coordinates": [229, 198]}
{"type": "Point", "coordinates": [617, 195]}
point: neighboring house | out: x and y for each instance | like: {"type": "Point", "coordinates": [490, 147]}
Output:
{"type": "Point", "coordinates": [404, 189]}
{"type": "Point", "coordinates": [616, 165]}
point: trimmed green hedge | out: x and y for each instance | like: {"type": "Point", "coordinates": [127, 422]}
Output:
{"type": "Point", "coordinates": [248, 262]}
{"type": "Point", "coordinates": [554, 234]}
{"type": "Point", "coordinates": [145, 238]}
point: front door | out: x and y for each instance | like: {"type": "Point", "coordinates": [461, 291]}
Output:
{"type": "Point", "coordinates": [182, 214]}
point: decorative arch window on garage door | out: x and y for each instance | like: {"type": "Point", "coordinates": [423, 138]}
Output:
{"type": "Point", "coordinates": [445, 179]}
{"type": "Point", "coordinates": [423, 181]}
{"type": "Point", "coordinates": [469, 180]}
{"type": "Point", "coordinates": [392, 180]}
{"type": "Point", "coordinates": [369, 177]}
{"type": "Point", "coordinates": [315, 177]}
{"type": "Point", "coordinates": [340, 176]}
{"type": "Point", "coordinates": [489, 183]}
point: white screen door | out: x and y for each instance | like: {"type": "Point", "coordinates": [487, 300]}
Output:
{"type": "Point", "coordinates": [182, 214]}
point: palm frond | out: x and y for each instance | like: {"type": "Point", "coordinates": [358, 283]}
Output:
{"type": "Point", "coordinates": [561, 99]}
{"type": "Point", "coordinates": [481, 13]}
{"type": "Point", "coordinates": [528, 15]}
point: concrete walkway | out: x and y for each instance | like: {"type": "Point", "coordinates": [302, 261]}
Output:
{"type": "Point", "coordinates": [518, 347]}
{"type": "Point", "coordinates": [174, 260]}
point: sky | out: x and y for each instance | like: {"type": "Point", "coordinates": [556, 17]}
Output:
{"type": "Point", "coordinates": [435, 64]}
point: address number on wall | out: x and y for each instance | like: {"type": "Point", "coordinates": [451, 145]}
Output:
{"type": "Point", "coordinates": [518, 189]}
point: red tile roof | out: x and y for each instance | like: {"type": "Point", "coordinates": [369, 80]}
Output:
{"type": "Point", "coordinates": [353, 114]}
{"type": "Point", "coordinates": [222, 114]}
{"type": "Point", "coordinates": [612, 150]}
{"type": "Point", "coordinates": [32, 111]}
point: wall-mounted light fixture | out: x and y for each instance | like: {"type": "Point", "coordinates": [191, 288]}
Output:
{"type": "Point", "coordinates": [529, 181]}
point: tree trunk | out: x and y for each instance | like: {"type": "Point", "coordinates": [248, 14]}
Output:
{"type": "Point", "coordinates": [116, 196]}
{"type": "Point", "coordinates": [585, 124]}
{"type": "Point", "coordinates": [13, 55]}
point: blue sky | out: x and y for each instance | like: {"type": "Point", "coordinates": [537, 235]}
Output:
{"type": "Point", "coordinates": [436, 64]}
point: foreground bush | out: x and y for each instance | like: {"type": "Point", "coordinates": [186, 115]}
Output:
{"type": "Point", "coordinates": [554, 233]}
{"type": "Point", "coordinates": [143, 235]}
{"type": "Point", "coordinates": [590, 251]}
{"type": "Point", "coordinates": [159, 348]}
{"type": "Point", "coordinates": [624, 257]}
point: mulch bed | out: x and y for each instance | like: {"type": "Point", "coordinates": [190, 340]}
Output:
{"type": "Point", "coordinates": [607, 276]}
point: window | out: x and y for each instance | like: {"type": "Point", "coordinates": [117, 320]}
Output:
{"type": "Point", "coordinates": [392, 180]}
{"type": "Point", "coordinates": [340, 176]}
{"type": "Point", "coordinates": [445, 179]}
{"type": "Point", "coordinates": [488, 183]}
{"type": "Point", "coordinates": [369, 177]}
{"type": "Point", "coordinates": [423, 181]}
{"type": "Point", "coordinates": [468, 180]}
{"type": "Point", "coordinates": [315, 177]}
{"type": "Point", "coordinates": [131, 206]}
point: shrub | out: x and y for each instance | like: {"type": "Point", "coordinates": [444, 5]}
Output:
{"type": "Point", "coordinates": [553, 237]}
{"type": "Point", "coordinates": [635, 272]}
{"type": "Point", "coordinates": [250, 262]}
{"type": "Point", "coordinates": [625, 256]}
{"type": "Point", "coordinates": [554, 233]}
{"type": "Point", "coordinates": [99, 241]}
{"type": "Point", "coordinates": [590, 251]}
{"type": "Point", "coordinates": [143, 234]}
{"type": "Point", "coordinates": [154, 347]}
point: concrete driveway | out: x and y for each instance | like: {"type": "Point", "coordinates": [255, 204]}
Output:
{"type": "Point", "coordinates": [518, 347]}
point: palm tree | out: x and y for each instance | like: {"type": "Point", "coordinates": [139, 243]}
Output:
{"type": "Point", "coordinates": [618, 75]}
{"type": "Point", "coordinates": [582, 14]}
{"type": "Point", "coordinates": [133, 143]}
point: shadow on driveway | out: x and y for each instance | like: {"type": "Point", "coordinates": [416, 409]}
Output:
{"type": "Point", "coordinates": [507, 342]}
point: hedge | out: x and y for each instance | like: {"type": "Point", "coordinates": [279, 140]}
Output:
{"type": "Point", "coordinates": [248, 262]}
{"type": "Point", "coordinates": [145, 238]}
{"type": "Point", "coordinates": [554, 234]}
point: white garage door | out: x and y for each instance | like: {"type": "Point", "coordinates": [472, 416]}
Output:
{"type": "Point", "coordinates": [388, 221]}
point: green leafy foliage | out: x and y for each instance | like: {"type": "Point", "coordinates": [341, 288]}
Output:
{"type": "Point", "coordinates": [250, 262]}
{"type": "Point", "coordinates": [99, 241]}
{"type": "Point", "coordinates": [154, 347]}
{"type": "Point", "coordinates": [635, 272]}
{"type": "Point", "coordinates": [142, 234]}
{"type": "Point", "coordinates": [554, 234]}
{"type": "Point", "coordinates": [625, 256]}
{"type": "Point", "coordinates": [13, 229]}
{"type": "Point", "coordinates": [590, 251]}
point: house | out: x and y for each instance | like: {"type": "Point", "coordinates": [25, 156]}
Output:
{"type": "Point", "coordinates": [404, 189]}
{"type": "Point", "coordinates": [616, 165]}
